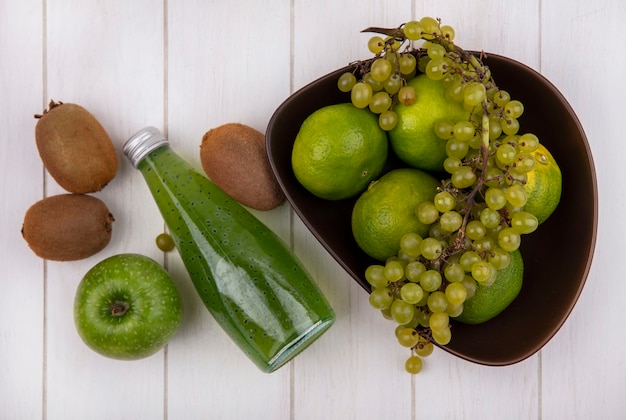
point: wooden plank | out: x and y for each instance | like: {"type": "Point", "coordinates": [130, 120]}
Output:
{"type": "Point", "coordinates": [356, 370]}
{"type": "Point", "coordinates": [21, 313]}
{"type": "Point", "coordinates": [584, 365]}
{"type": "Point", "coordinates": [107, 57]}
{"type": "Point", "coordinates": [221, 63]}
{"type": "Point", "coordinates": [226, 63]}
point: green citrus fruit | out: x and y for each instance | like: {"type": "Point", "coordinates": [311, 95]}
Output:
{"type": "Point", "coordinates": [386, 211]}
{"type": "Point", "coordinates": [489, 301]}
{"type": "Point", "coordinates": [543, 185]}
{"type": "Point", "coordinates": [414, 139]}
{"type": "Point", "coordinates": [338, 151]}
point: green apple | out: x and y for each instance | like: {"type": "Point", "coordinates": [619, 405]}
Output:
{"type": "Point", "coordinates": [127, 307]}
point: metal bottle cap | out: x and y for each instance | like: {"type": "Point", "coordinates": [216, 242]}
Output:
{"type": "Point", "coordinates": [143, 142]}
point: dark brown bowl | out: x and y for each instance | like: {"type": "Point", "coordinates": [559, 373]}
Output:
{"type": "Point", "coordinates": [557, 257]}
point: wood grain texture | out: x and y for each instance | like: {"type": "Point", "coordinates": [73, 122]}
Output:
{"type": "Point", "coordinates": [188, 66]}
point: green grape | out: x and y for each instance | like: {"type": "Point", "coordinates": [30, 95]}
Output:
{"type": "Point", "coordinates": [380, 102]}
{"type": "Point", "coordinates": [513, 109]}
{"type": "Point", "coordinates": [404, 258]}
{"type": "Point", "coordinates": [452, 164]}
{"type": "Point", "coordinates": [414, 270]}
{"type": "Point", "coordinates": [470, 286]}
{"type": "Point", "coordinates": [430, 280]}
{"type": "Point", "coordinates": [524, 222]}
{"type": "Point", "coordinates": [444, 201]}
{"type": "Point", "coordinates": [464, 130]}
{"type": "Point", "coordinates": [436, 302]}
{"type": "Point", "coordinates": [509, 239]}
{"type": "Point", "coordinates": [391, 55]}
{"type": "Point", "coordinates": [474, 93]}
{"type": "Point", "coordinates": [392, 43]}
{"type": "Point", "coordinates": [501, 98]}
{"type": "Point", "coordinates": [436, 51]}
{"type": "Point", "coordinates": [506, 154]}
{"type": "Point", "coordinates": [510, 126]}
{"type": "Point", "coordinates": [493, 232]}
{"type": "Point", "coordinates": [457, 148]}
{"type": "Point", "coordinates": [484, 244]}
{"type": "Point", "coordinates": [468, 259]}
{"type": "Point", "coordinates": [392, 84]}
{"type": "Point", "coordinates": [412, 30]}
{"type": "Point", "coordinates": [386, 313]}
{"type": "Point", "coordinates": [346, 82]}
{"type": "Point", "coordinates": [388, 120]}
{"type": "Point", "coordinates": [516, 195]}
{"type": "Point", "coordinates": [525, 162]}
{"type": "Point", "coordinates": [499, 258]}
{"type": "Point", "coordinates": [490, 218]}
{"type": "Point", "coordinates": [495, 127]}
{"type": "Point", "coordinates": [407, 63]}
{"type": "Point", "coordinates": [439, 320]}
{"type": "Point", "coordinates": [410, 244]}
{"type": "Point", "coordinates": [426, 212]}
{"type": "Point", "coordinates": [376, 44]}
{"type": "Point", "coordinates": [424, 349]}
{"type": "Point", "coordinates": [475, 229]}
{"type": "Point", "coordinates": [402, 312]}
{"type": "Point", "coordinates": [449, 79]}
{"type": "Point", "coordinates": [464, 177]}
{"type": "Point", "coordinates": [431, 248]}
{"type": "Point", "coordinates": [528, 143]}
{"type": "Point", "coordinates": [375, 276]}
{"type": "Point", "coordinates": [407, 337]}
{"type": "Point", "coordinates": [436, 68]}
{"type": "Point", "coordinates": [444, 129]}
{"type": "Point", "coordinates": [436, 231]}
{"type": "Point", "coordinates": [448, 32]}
{"type": "Point", "coordinates": [451, 221]}
{"type": "Point", "coordinates": [482, 271]}
{"type": "Point", "coordinates": [393, 271]}
{"type": "Point", "coordinates": [442, 337]}
{"type": "Point", "coordinates": [455, 310]}
{"type": "Point", "coordinates": [495, 198]}
{"type": "Point", "coordinates": [406, 95]}
{"type": "Point", "coordinates": [381, 298]}
{"type": "Point", "coordinates": [376, 86]}
{"type": "Point", "coordinates": [475, 142]}
{"type": "Point", "coordinates": [430, 27]}
{"type": "Point", "coordinates": [164, 242]}
{"type": "Point", "coordinates": [454, 272]}
{"type": "Point", "coordinates": [413, 365]}
{"type": "Point", "coordinates": [361, 95]}
{"type": "Point", "coordinates": [455, 91]}
{"type": "Point", "coordinates": [494, 177]}
{"type": "Point", "coordinates": [456, 294]}
{"type": "Point", "coordinates": [411, 293]}
{"type": "Point", "coordinates": [381, 69]}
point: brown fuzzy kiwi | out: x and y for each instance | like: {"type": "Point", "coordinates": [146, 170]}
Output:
{"type": "Point", "coordinates": [67, 227]}
{"type": "Point", "coordinates": [75, 149]}
{"type": "Point", "coordinates": [234, 157]}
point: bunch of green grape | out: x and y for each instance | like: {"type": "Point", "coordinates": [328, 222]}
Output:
{"type": "Point", "coordinates": [477, 217]}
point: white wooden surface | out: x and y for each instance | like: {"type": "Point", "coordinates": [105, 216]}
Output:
{"type": "Point", "coordinates": [187, 66]}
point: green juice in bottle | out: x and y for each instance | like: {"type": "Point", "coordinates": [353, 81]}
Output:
{"type": "Point", "coordinates": [253, 285]}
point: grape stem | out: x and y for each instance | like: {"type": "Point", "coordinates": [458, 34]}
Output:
{"type": "Point", "coordinates": [482, 74]}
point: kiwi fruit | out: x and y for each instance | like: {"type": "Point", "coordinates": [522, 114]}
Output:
{"type": "Point", "coordinates": [234, 157]}
{"type": "Point", "coordinates": [67, 227]}
{"type": "Point", "coordinates": [75, 149]}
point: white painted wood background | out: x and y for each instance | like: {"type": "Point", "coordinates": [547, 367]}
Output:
{"type": "Point", "coordinates": [187, 66]}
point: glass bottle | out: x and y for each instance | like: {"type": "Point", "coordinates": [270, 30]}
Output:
{"type": "Point", "coordinates": [253, 285]}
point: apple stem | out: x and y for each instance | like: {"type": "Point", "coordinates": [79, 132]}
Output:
{"type": "Point", "coordinates": [119, 308]}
